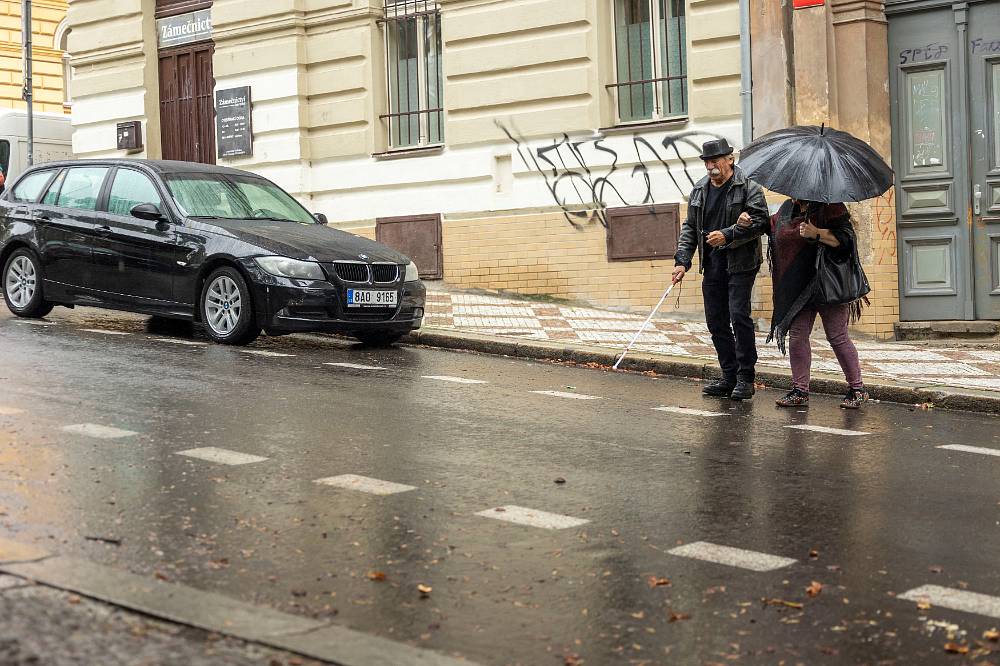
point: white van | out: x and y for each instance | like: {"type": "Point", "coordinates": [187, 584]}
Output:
{"type": "Point", "coordinates": [53, 140]}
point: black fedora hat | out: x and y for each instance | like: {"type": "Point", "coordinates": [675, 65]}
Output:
{"type": "Point", "coordinates": [715, 148]}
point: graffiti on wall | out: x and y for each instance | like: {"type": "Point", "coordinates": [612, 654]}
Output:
{"type": "Point", "coordinates": [587, 176]}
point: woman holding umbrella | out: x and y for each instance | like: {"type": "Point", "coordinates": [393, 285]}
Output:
{"type": "Point", "coordinates": [813, 251]}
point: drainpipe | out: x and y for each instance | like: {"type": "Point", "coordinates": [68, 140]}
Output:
{"type": "Point", "coordinates": [746, 72]}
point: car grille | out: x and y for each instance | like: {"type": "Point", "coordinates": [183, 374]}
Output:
{"type": "Point", "coordinates": [385, 272]}
{"type": "Point", "coordinates": [351, 272]}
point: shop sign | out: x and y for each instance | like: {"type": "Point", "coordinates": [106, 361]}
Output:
{"type": "Point", "coordinates": [232, 122]}
{"type": "Point", "coordinates": [184, 28]}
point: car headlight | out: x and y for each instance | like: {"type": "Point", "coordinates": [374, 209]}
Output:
{"type": "Point", "coordinates": [411, 273]}
{"type": "Point", "coordinates": [291, 268]}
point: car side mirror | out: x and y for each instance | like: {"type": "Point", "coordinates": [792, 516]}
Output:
{"type": "Point", "coordinates": [147, 211]}
{"type": "Point", "coordinates": [321, 218]}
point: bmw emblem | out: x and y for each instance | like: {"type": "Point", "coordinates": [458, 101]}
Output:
{"type": "Point", "coordinates": [363, 257]}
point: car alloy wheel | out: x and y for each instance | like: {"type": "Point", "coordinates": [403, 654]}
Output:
{"type": "Point", "coordinates": [20, 281]}
{"type": "Point", "coordinates": [223, 306]}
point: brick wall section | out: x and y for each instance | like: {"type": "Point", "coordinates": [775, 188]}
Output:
{"type": "Point", "coordinates": [542, 254]}
{"type": "Point", "coordinates": [47, 61]}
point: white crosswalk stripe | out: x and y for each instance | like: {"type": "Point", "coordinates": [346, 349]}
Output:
{"type": "Point", "coordinates": [103, 331]}
{"type": "Point", "coordinates": [571, 396]}
{"type": "Point", "coordinates": [828, 431]}
{"type": "Point", "coordinates": [356, 366]}
{"type": "Point", "coordinates": [175, 341]}
{"type": "Point", "coordinates": [222, 456]}
{"type": "Point", "coordinates": [10, 411]}
{"type": "Point", "coordinates": [263, 352]}
{"type": "Point", "coordinates": [688, 411]}
{"type": "Point", "coordinates": [520, 515]}
{"type": "Point", "coordinates": [365, 484]}
{"type": "Point", "coordinates": [98, 431]}
{"type": "Point", "coordinates": [971, 449]}
{"type": "Point", "coordinates": [960, 600]}
{"type": "Point", "coordinates": [733, 557]}
{"type": "Point", "coordinates": [33, 322]}
{"type": "Point", "coordinates": [457, 380]}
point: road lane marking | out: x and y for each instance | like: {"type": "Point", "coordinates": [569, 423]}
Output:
{"type": "Point", "coordinates": [103, 331]}
{"type": "Point", "coordinates": [733, 557]}
{"type": "Point", "coordinates": [32, 322]}
{"type": "Point", "coordinates": [365, 484]}
{"type": "Point", "coordinates": [688, 411]}
{"type": "Point", "coordinates": [571, 396]}
{"type": "Point", "coordinates": [356, 366]}
{"type": "Point", "coordinates": [174, 341]}
{"type": "Point", "coordinates": [520, 515]}
{"type": "Point", "coordinates": [98, 431]}
{"type": "Point", "coordinates": [10, 411]}
{"type": "Point", "coordinates": [828, 431]}
{"type": "Point", "coordinates": [959, 447]}
{"type": "Point", "coordinates": [457, 380]}
{"type": "Point", "coordinates": [222, 456]}
{"type": "Point", "coordinates": [262, 352]}
{"type": "Point", "coordinates": [960, 600]}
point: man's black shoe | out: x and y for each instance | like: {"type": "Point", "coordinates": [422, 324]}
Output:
{"type": "Point", "coordinates": [720, 388]}
{"type": "Point", "coordinates": [742, 391]}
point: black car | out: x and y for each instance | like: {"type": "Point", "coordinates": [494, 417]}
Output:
{"type": "Point", "coordinates": [221, 246]}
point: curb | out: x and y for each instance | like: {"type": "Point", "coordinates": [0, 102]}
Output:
{"type": "Point", "coordinates": [968, 400]}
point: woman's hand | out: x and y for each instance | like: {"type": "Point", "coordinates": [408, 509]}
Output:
{"type": "Point", "coordinates": [809, 230]}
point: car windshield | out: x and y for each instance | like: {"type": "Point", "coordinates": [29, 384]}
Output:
{"type": "Point", "coordinates": [234, 197]}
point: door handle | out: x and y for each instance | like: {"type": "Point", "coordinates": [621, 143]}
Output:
{"type": "Point", "coordinates": [977, 198]}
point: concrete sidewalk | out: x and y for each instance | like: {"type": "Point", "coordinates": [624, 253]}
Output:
{"type": "Point", "coordinates": [957, 375]}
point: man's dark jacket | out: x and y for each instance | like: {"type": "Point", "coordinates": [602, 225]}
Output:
{"type": "Point", "coordinates": [743, 248]}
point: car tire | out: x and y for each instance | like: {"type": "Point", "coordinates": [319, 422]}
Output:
{"type": "Point", "coordinates": [227, 308]}
{"type": "Point", "coordinates": [378, 338]}
{"type": "Point", "coordinates": [22, 285]}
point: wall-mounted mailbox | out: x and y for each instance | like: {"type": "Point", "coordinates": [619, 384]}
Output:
{"type": "Point", "coordinates": [130, 136]}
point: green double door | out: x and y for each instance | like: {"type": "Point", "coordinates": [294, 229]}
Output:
{"type": "Point", "coordinates": [945, 100]}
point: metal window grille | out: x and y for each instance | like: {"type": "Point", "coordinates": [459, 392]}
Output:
{"type": "Point", "coordinates": [651, 59]}
{"type": "Point", "coordinates": [413, 72]}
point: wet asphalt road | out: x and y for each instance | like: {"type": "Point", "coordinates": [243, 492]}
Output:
{"type": "Point", "coordinates": [868, 517]}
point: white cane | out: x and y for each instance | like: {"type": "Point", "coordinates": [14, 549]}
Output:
{"type": "Point", "coordinates": [644, 325]}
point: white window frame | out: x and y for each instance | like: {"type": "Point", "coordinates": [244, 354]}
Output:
{"type": "Point", "coordinates": [423, 11]}
{"type": "Point", "coordinates": [658, 80]}
{"type": "Point", "coordinates": [60, 42]}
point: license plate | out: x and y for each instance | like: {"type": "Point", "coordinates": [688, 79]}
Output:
{"type": "Point", "coordinates": [370, 298]}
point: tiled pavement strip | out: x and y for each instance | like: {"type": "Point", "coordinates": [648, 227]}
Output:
{"type": "Point", "coordinates": [509, 317]}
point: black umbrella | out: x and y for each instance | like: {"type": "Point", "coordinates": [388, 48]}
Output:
{"type": "Point", "coordinates": [816, 164]}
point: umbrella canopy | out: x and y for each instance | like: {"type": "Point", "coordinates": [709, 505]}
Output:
{"type": "Point", "coordinates": [816, 164]}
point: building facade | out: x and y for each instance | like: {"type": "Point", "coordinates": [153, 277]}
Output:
{"type": "Point", "coordinates": [541, 147]}
{"type": "Point", "coordinates": [49, 34]}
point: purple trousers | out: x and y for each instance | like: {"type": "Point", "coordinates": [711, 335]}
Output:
{"type": "Point", "coordinates": [835, 320]}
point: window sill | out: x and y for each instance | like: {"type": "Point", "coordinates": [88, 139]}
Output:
{"type": "Point", "coordinates": [666, 123]}
{"type": "Point", "coordinates": [403, 153]}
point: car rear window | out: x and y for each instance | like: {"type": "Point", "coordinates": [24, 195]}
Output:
{"type": "Point", "coordinates": [31, 186]}
{"type": "Point", "coordinates": [81, 187]}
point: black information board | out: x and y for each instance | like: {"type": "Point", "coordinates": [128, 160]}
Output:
{"type": "Point", "coordinates": [232, 122]}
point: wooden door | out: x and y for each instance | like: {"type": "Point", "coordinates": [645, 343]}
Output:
{"type": "Point", "coordinates": [187, 112]}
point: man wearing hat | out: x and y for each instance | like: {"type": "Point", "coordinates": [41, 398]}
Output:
{"type": "Point", "coordinates": [730, 255]}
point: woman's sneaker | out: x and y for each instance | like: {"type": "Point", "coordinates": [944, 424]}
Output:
{"type": "Point", "coordinates": [854, 398]}
{"type": "Point", "coordinates": [794, 398]}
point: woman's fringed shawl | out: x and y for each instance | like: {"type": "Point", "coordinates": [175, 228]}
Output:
{"type": "Point", "coordinates": [792, 260]}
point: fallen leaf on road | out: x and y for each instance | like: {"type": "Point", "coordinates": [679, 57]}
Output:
{"type": "Point", "coordinates": [638, 615]}
{"type": "Point", "coordinates": [955, 648]}
{"type": "Point", "coordinates": [782, 602]}
{"type": "Point", "coordinates": [73, 599]}
{"type": "Point", "coordinates": [162, 576]}
{"type": "Point", "coordinates": [560, 480]}
{"type": "Point", "coordinates": [658, 582]}
{"type": "Point", "coordinates": [424, 590]}
{"type": "Point", "coordinates": [814, 588]}
{"type": "Point", "coordinates": [675, 616]}
{"type": "Point", "coordinates": [935, 569]}
{"type": "Point", "coordinates": [924, 604]}
{"type": "Point", "coordinates": [376, 575]}
{"type": "Point", "coordinates": [813, 553]}
{"type": "Point", "coordinates": [992, 635]}
{"type": "Point", "coordinates": [572, 660]}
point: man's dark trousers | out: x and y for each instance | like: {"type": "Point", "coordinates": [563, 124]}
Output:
{"type": "Point", "coordinates": [727, 313]}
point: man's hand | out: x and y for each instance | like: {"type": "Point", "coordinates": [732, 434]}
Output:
{"type": "Point", "coordinates": [716, 239]}
{"type": "Point", "coordinates": [744, 220]}
{"type": "Point", "coordinates": [678, 274]}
